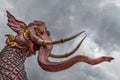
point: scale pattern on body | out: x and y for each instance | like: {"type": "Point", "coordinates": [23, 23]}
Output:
{"type": "Point", "coordinates": [11, 64]}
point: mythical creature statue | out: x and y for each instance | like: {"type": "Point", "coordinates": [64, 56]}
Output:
{"type": "Point", "coordinates": [29, 39]}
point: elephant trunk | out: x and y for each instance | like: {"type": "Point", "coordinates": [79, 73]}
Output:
{"type": "Point", "coordinates": [58, 66]}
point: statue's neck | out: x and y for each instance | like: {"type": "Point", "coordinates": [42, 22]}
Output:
{"type": "Point", "coordinates": [12, 61]}
{"type": "Point", "coordinates": [16, 52]}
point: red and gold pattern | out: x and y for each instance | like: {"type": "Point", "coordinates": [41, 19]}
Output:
{"type": "Point", "coordinates": [11, 64]}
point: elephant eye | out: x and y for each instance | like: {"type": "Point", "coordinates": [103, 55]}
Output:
{"type": "Point", "coordinates": [35, 28]}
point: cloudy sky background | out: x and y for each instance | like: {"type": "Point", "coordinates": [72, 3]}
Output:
{"type": "Point", "coordinates": [99, 18]}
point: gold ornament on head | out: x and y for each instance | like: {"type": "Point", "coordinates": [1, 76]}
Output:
{"type": "Point", "coordinates": [39, 29]}
{"type": "Point", "coordinates": [26, 31]}
{"type": "Point", "coordinates": [11, 40]}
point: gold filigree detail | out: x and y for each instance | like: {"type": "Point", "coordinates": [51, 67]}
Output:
{"type": "Point", "coordinates": [11, 40]}
{"type": "Point", "coordinates": [26, 32]}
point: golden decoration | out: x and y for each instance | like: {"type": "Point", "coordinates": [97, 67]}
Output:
{"type": "Point", "coordinates": [11, 40]}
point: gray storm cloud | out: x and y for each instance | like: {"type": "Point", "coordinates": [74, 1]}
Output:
{"type": "Point", "coordinates": [63, 18]}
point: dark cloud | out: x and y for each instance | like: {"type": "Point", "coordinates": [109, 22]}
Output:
{"type": "Point", "coordinates": [101, 21]}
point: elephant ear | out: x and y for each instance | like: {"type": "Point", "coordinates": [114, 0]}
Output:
{"type": "Point", "coordinates": [14, 24]}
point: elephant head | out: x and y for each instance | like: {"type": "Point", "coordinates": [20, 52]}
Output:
{"type": "Point", "coordinates": [35, 37]}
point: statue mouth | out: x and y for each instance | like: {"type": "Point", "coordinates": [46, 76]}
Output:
{"type": "Point", "coordinates": [35, 46]}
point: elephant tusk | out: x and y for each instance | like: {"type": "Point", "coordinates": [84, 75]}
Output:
{"type": "Point", "coordinates": [45, 42]}
{"type": "Point", "coordinates": [70, 53]}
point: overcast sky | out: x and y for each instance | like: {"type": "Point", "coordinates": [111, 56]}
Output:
{"type": "Point", "coordinates": [99, 18]}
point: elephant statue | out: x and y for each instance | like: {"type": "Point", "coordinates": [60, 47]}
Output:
{"type": "Point", "coordinates": [31, 38]}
